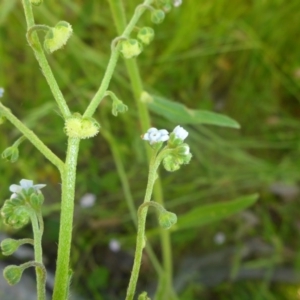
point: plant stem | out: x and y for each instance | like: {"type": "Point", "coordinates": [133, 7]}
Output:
{"type": "Point", "coordinates": [140, 240]}
{"type": "Point", "coordinates": [118, 13]}
{"type": "Point", "coordinates": [112, 64]}
{"type": "Point", "coordinates": [127, 192]}
{"type": "Point", "coordinates": [61, 284]}
{"type": "Point", "coordinates": [29, 134]}
{"type": "Point", "coordinates": [38, 255]}
{"type": "Point", "coordinates": [41, 58]}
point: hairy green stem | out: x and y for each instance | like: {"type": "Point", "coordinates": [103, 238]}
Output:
{"type": "Point", "coordinates": [112, 64]}
{"type": "Point", "coordinates": [165, 282]}
{"type": "Point", "coordinates": [43, 63]}
{"type": "Point", "coordinates": [38, 255]}
{"type": "Point", "coordinates": [127, 193]}
{"type": "Point", "coordinates": [29, 134]}
{"type": "Point", "coordinates": [140, 240]}
{"type": "Point", "coordinates": [61, 284]}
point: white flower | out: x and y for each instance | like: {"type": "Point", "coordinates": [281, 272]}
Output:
{"type": "Point", "coordinates": [1, 92]}
{"type": "Point", "coordinates": [177, 3]}
{"type": "Point", "coordinates": [114, 245]}
{"type": "Point", "coordinates": [26, 185]}
{"type": "Point", "coordinates": [154, 135]}
{"type": "Point", "coordinates": [220, 238]}
{"type": "Point", "coordinates": [180, 132]}
{"type": "Point", "coordinates": [88, 200]}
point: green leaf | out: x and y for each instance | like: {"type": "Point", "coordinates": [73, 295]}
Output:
{"type": "Point", "coordinates": [180, 114]}
{"type": "Point", "coordinates": [214, 212]}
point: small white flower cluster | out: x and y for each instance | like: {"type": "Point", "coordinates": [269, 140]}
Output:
{"type": "Point", "coordinates": [26, 185]}
{"type": "Point", "coordinates": [177, 3]}
{"type": "Point", "coordinates": [154, 135]}
{"type": "Point", "coordinates": [1, 92]}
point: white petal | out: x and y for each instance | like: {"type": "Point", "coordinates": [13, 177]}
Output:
{"type": "Point", "coordinates": [180, 132]}
{"type": "Point", "coordinates": [26, 184]}
{"type": "Point", "coordinates": [39, 186]}
{"type": "Point", "coordinates": [163, 131]}
{"type": "Point", "coordinates": [151, 130]}
{"type": "Point", "coordinates": [14, 195]}
{"type": "Point", "coordinates": [164, 138]}
{"type": "Point", "coordinates": [177, 3]}
{"type": "Point", "coordinates": [146, 137]}
{"type": "Point", "coordinates": [14, 188]}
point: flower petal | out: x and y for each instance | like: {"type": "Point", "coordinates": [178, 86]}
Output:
{"type": "Point", "coordinates": [39, 186]}
{"type": "Point", "coordinates": [26, 184]}
{"type": "Point", "coordinates": [14, 188]}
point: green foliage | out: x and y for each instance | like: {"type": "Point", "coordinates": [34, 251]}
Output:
{"type": "Point", "coordinates": [237, 58]}
{"type": "Point", "coordinates": [178, 113]}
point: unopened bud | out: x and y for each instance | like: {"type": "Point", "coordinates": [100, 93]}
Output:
{"type": "Point", "coordinates": [167, 219]}
{"type": "Point", "coordinates": [36, 200]}
{"type": "Point", "coordinates": [130, 48]}
{"type": "Point", "coordinates": [11, 154]}
{"type": "Point", "coordinates": [157, 16]}
{"type": "Point", "coordinates": [13, 274]}
{"type": "Point", "coordinates": [146, 35]}
{"type": "Point", "coordinates": [57, 36]}
{"type": "Point", "coordinates": [9, 246]}
{"type": "Point", "coordinates": [118, 107]}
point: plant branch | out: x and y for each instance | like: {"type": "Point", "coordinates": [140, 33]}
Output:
{"type": "Point", "coordinates": [43, 63]}
{"type": "Point", "coordinates": [34, 139]}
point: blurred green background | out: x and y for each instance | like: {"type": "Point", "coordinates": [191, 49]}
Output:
{"type": "Point", "coordinates": [239, 58]}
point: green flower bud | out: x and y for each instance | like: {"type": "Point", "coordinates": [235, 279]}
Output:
{"type": "Point", "coordinates": [167, 7]}
{"type": "Point", "coordinates": [36, 200]}
{"type": "Point", "coordinates": [167, 219]}
{"type": "Point", "coordinates": [146, 35]}
{"type": "Point", "coordinates": [82, 128]}
{"type": "Point", "coordinates": [174, 141]}
{"type": "Point", "coordinates": [13, 214]}
{"type": "Point", "coordinates": [11, 154]}
{"type": "Point", "coordinates": [9, 246]}
{"type": "Point", "coordinates": [171, 163]}
{"type": "Point", "coordinates": [183, 150]}
{"type": "Point", "coordinates": [146, 97]}
{"type": "Point", "coordinates": [143, 296]}
{"type": "Point", "coordinates": [13, 274]}
{"type": "Point", "coordinates": [57, 36]}
{"type": "Point", "coordinates": [157, 16]}
{"type": "Point", "coordinates": [130, 48]}
{"type": "Point", "coordinates": [36, 2]}
{"type": "Point", "coordinates": [118, 107]}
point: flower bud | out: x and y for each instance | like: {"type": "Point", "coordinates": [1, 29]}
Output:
{"type": "Point", "coordinates": [36, 200]}
{"type": "Point", "coordinates": [143, 296]}
{"type": "Point", "coordinates": [167, 7]}
{"type": "Point", "coordinates": [36, 2]}
{"type": "Point", "coordinates": [146, 97]}
{"type": "Point", "coordinates": [57, 36]}
{"type": "Point", "coordinates": [13, 274]}
{"type": "Point", "coordinates": [9, 246]}
{"type": "Point", "coordinates": [167, 219]}
{"type": "Point", "coordinates": [130, 48]}
{"type": "Point", "coordinates": [146, 35]}
{"type": "Point", "coordinates": [157, 16]}
{"type": "Point", "coordinates": [171, 163]}
{"type": "Point", "coordinates": [118, 107]}
{"type": "Point", "coordinates": [183, 150]}
{"type": "Point", "coordinates": [14, 214]}
{"type": "Point", "coordinates": [11, 154]}
{"type": "Point", "coordinates": [82, 128]}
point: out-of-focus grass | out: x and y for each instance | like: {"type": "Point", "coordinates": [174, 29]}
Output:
{"type": "Point", "coordinates": [240, 58]}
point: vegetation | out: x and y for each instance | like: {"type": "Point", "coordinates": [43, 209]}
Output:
{"type": "Point", "coordinates": [238, 58]}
